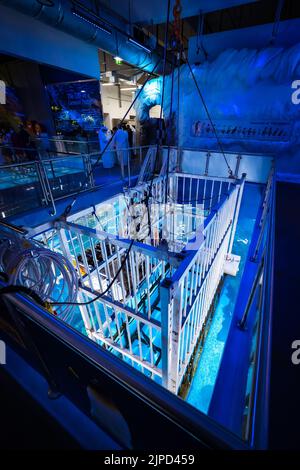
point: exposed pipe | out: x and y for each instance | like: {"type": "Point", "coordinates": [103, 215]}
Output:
{"type": "Point", "coordinates": [60, 16]}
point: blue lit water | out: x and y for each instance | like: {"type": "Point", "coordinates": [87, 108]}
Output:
{"type": "Point", "coordinates": [202, 386]}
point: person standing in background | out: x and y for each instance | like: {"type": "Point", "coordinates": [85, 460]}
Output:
{"type": "Point", "coordinates": [120, 141]}
{"type": "Point", "coordinates": [130, 135]}
{"type": "Point", "coordinates": [108, 159]}
{"type": "Point", "coordinates": [21, 141]}
{"type": "Point", "coordinates": [133, 139]}
{"type": "Point", "coordinates": [6, 150]}
{"type": "Point", "coordinates": [42, 140]}
{"type": "Point", "coordinates": [81, 137]}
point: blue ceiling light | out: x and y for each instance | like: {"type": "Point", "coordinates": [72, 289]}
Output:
{"type": "Point", "coordinates": [90, 19]}
{"type": "Point", "coordinates": [138, 44]}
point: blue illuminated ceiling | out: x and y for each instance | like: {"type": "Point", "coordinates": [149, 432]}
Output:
{"type": "Point", "coordinates": [139, 11]}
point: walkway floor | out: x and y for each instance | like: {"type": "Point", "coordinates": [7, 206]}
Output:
{"type": "Point", "coordinates": [84, 200]}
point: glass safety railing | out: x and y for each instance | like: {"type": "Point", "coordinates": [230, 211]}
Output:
{"type": "Point", "coordinates": [32, 178]}
{"type": "Point", "coordinates": [21, 188]}
{"type": "Point", "coordinates": [256, 402]}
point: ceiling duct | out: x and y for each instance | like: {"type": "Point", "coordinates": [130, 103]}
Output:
{"type": "Point", "coordinates": [107, 33]}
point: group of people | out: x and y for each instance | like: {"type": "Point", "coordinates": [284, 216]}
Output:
{"type": "Point", "coordinates": [116, 144]}
{"type": "Point", "coordinates": [22, 144]}
{"type": "Point", "coordinates": [29, 141]}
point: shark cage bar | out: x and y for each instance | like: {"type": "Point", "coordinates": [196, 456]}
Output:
{"type": "Point", "coordinates": [167, 243]}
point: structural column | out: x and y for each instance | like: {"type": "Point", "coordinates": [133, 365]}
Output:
{"type": "Point", "coordinates": [171, 316]}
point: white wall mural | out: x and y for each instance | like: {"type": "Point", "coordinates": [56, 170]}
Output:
{"type": "Point", "coordinates": [252, 97]}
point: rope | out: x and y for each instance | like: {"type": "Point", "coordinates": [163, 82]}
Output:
{"type": "Point", "coordinates": [68, 208]}
{"type": "Point", "coordinates": [147, 198]}
{"type": "Point", "coordinates": [108, 287]}
{"type": "Point", "coordinates": [209, 116]}
{"type": "Point", "coordinates": [159, 141]}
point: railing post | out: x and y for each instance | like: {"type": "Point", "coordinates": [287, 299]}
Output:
{"type": "Point", "coordinates": [91, 173]}
{"type": "Point", "coordinates": [88, 169]}
{"type": "Point", "coordinates": [48, 188]}
{"type": "Point", "coordinates": [243, 322]}
{"type": "Point", "coordinates": [64, 243]}
{"type": "Point", "coordinates": [165, 330]}
{"type": "Point", "coordinates": [236, 213]}
{"type": "Point", "coordinates": [179, 153]}
{"type": "Point", "coordinates": [237, 167]}
{"type": "Point", "coordinates": [129, 169]}
{"type": "Point", "coordinates": [42, 183]}
{"type": "Point", "coordinates": [85, 316]}
{"type": "Point", "coordinates": [171, 327]}
{"type": "Point", "coordinates": [207, 163]}
{"type": "Point", "coordinates": [265, 215]}
{"type": "Point", "coordinates": [266, 198]}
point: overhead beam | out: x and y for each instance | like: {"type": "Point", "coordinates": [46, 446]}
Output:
{"type": "Point", "coordinates": [28, 38]}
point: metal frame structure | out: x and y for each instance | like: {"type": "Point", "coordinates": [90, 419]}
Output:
{"type": "Point", "coordinates": [153, 314]}
{"type": "Point", "coordinates": [48, 186]}
{"type": "Point", "coordinates": [155, 399]}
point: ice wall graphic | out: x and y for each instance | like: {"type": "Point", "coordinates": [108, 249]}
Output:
{"type": "Point", "coordinates": [249, 97]}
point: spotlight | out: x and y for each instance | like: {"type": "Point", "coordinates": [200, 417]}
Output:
{"type": "Point", "coordinates": [118, 60]}
{"type": "Point", "coordinates": [138, 44]}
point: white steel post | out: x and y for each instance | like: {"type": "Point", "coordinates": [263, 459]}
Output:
{"type": "Point", "coordinates": [171, 327]}
{"type": "Point", "coordinates": [64, 244]}
{"type": "Point", "coordinates": [85, 316]}
{"type": "Point", "coordinates": [175, 341]}
{"type": "Point", "coordinates": [165, 330]}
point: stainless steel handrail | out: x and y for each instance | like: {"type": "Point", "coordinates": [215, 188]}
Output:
{"type": "Point", "coordinates": [88, 161]}
{"type": "Point", "coordinates": [257, 421]}
{"type": "Point", "coordinates": [14, 228]}
{"type": "Point", "coordinates": [260, 413]}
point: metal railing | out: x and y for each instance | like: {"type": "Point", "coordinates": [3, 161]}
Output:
{"type": "Point", "coordinates": [190, 291]}
{"type": "Point", "coordinates": [157, 284]}
{"type": "Point", "coordinates": [255, 426]}
{"type": "Point", "coordinates": [41, 180]}
{"type": "Point", "coordinates": [126, 309]}
{"type": "Point", "coordinates": [186, 286]}
{"type": "Point", "coordinates": [71, 146]}
{"type": "Point", "coordinates": [52, 175]}
{"type": "Point", "coordinates": [116, 386]}
{"type": "Point", "coordinates": [212, 163]}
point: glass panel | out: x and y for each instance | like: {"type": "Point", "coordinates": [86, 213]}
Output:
{"type": "Point", "coordinates": [20, 189]}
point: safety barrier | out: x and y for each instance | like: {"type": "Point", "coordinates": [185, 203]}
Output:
{"type": "Point", "coordinates": [190, 291]}
{"type": "Point", "coordinates": [153, 313]}
{"type": "Point", "coordinates": [256, 406]}
{"type": "Point", "coordinates": [54, 175]}
{"type": "Point", "coordinates": [41, 180]}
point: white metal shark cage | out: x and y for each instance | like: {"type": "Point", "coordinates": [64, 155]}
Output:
{"type": "Point", "coordinates": [166, 241]}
